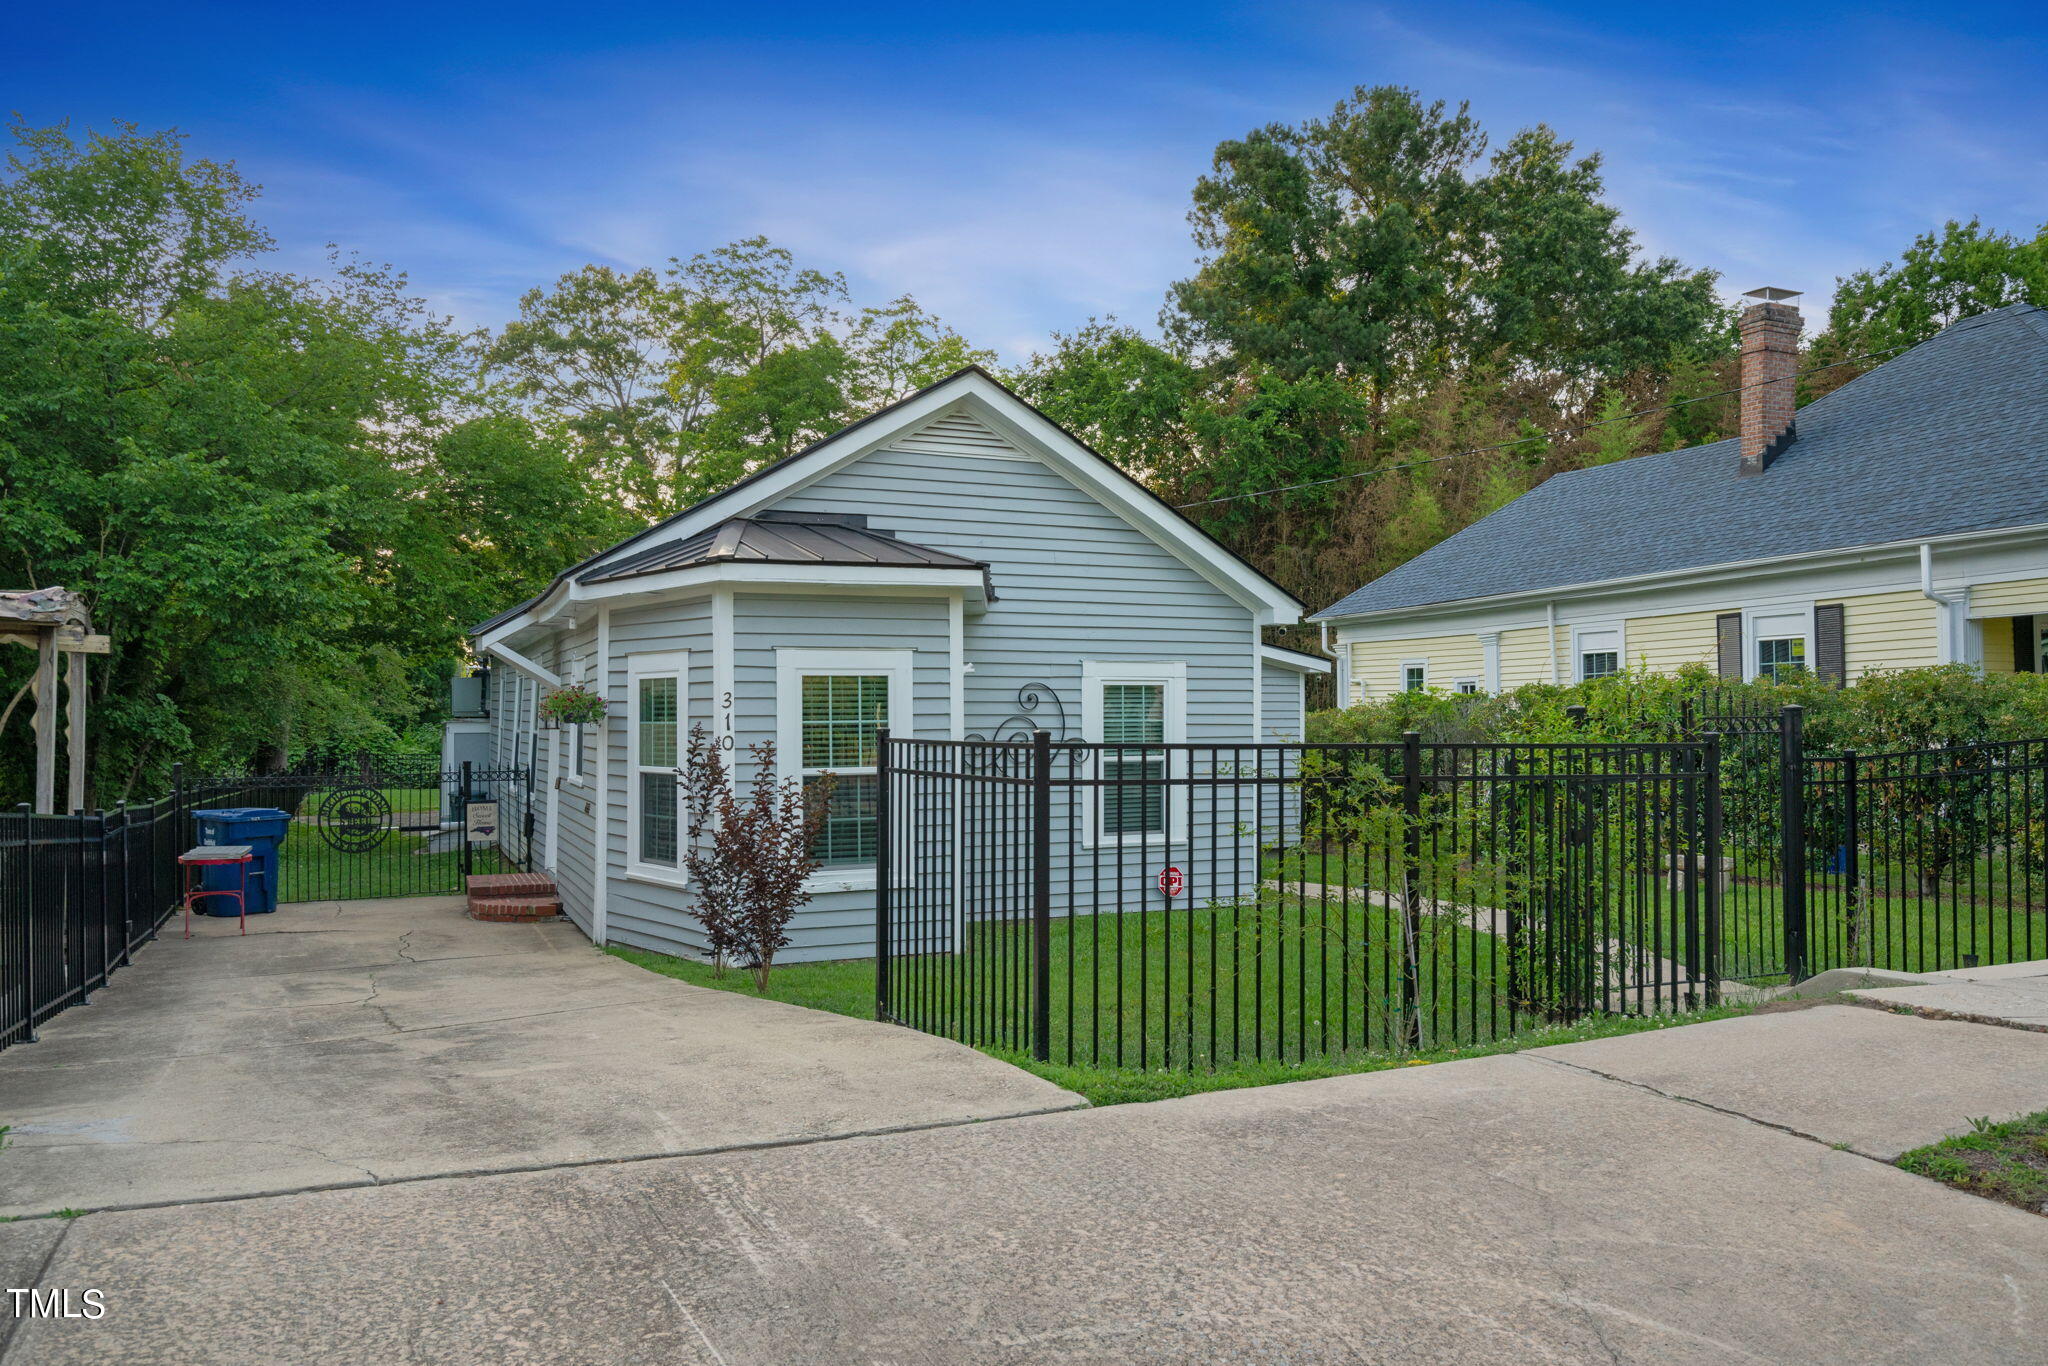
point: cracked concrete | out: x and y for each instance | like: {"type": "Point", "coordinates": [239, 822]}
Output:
{"type": "Point", "coordinates": [347, 1043]}
{"type": "Point", "coordinates": [1502, 1209]}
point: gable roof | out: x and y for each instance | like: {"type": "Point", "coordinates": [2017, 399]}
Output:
{"type": "Point", "coordinates": [1948, 438]}
{"type": "Point", "coordinates": [784, 538]}
{"type": "Point", "coordinates": [1003, 407]}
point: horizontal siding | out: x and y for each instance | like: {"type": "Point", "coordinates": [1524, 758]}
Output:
{"type": "Point", "coordinates": [1376, 665]}
{"type": "Point", "coordinates": [574, 858]}
{"type": "Point", "coordinates": [1886, 631]}
{"type": "Point", "coordinates": [645, 914]}
{"type": "Point", "coordinates": [1074, 581]}
{"type": "Point", "coordinates": [1280, 705]}
{"type": "Point", "coordinates": [2021, 597]}
{"type": "Point", "coordinates": [1667, 643]}
{"type": "Point", "coordinates": [1524, 657]}
{"type": "Point", "coordinates": [1998, 656]}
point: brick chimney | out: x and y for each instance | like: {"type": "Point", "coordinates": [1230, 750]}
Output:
{"type": "Point", "coordinates": [1770, 358]}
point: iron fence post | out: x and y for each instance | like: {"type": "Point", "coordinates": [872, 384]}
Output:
{"type": "Point", "coordinates": [467, 856]}
{"type": "Point", "coordinates": [1711, 757]}
{"type": "Point", "coordinates": [1792, 837]}
{"type": "Point", "coordinates": [29, 937]}
{"type": "Point", "coordinates": [1041, 894]}
{"type": "Point", "coordinates": [1852, 859]}
{"type": "Point", "coordinates": [884, 870]}
{"type": "Point", "coordinates": [1411, 858]}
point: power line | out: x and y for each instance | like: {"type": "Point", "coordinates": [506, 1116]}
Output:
{"type": "Point", "coordinates": [1560, 432]}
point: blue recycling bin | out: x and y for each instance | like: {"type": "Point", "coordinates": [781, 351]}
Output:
{"type": "Point", "coordinates": [262, 828]}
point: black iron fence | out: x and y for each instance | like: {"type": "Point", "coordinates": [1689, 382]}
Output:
{"type": "Point", "coordinates": [1188, 905]}
{"type": "Point", "coordinates": [1920, 861]}
{"type": "Point", "coordinates": [385, 828]}
{"type": "Point", "coordinates": [78, 895]}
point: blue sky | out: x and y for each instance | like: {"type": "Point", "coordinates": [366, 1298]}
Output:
{"type": "Point", "coordinates": [1020, 168]}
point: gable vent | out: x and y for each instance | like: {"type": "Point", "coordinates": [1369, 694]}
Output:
{"type": "Point", "coordinates": [958, 434]}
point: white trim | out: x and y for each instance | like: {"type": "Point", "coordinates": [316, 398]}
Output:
{"type": "Point", "coordinates": [722, 666]}
{"type": "Point", "coordinates": [1467, 685]}
{"type": "Point", "coordinates": [524, 665]}
{"type": "Point", "coordinates": [1295, 660]}
{"type": "Point", "coordinates": [582, 671]}
{"type": "Point", "coordinates": [956, 647]}
{"type": "Point", "coordinates": [640, 667]}
{"type": "Point", "coordinates": [791, 665]}
{"type": "Point", "coordinates": [1095, 673]}
{"type": "Point", "coordinates": [1401, 675]}
{"type": "Point", "coordinates": [1751, 637]}
{"type": "Point", "coordinates": [1844, 555]}
{"type": "Point", "coordinates": [601, 826]}
{"type": "Point", "coordinates": [1615, 628]}
{"type": "Point", "coordinates": [1489, 657]}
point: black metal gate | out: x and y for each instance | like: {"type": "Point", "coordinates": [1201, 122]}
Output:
{"type": "Point", "coordinates": [379, 829]}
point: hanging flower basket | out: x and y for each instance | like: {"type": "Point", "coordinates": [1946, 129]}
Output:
{"type": "Point", "coordinates": [572, 706]}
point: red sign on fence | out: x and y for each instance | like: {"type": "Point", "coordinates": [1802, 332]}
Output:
{"type": "Point", "coordinates": [1171, 882]}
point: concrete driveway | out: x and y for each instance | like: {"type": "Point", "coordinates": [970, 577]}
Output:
{"type": "Point", "coordinates": [349, 1043]}
{"type": "Point", "coordinates": [1541, 1208]}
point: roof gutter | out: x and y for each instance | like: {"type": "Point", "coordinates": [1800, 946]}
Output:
{"type": "Point", "coordinates": [1773, 564]}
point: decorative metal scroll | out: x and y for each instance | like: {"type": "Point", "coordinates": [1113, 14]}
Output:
{"type": "Point", "coordinates": [354, 820]}
{"type": "Point", "coordinates": [1018, 728]}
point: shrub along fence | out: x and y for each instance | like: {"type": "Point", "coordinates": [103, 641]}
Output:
{"type": "Point", "coordinates": [1190, 906]}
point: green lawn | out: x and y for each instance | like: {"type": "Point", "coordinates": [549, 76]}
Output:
{"type": "Point", "coordinates": [848, 988]}
{"type": "Point", "coordinates": [310, 869]}
{"type": "Point", "coordinates": [1968, 916]}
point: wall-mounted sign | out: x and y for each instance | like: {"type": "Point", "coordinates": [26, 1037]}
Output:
{"type": "Point", "coordinates": [480, 821]}
{"type": "Point", "coordinates": [1171, 882]}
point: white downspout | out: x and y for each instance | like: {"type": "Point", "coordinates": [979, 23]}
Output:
{"type": "Point", "coordinates": [1550, 640]}
{"type": "Point", "coordinates": [1945, 651]}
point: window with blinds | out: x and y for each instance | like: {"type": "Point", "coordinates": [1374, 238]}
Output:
{"type": "Point", "coordinates": [1134, 801]}
{"type": "Point", "coordinates": [840, 718]}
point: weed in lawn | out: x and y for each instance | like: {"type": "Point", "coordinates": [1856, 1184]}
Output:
{"type": "Point", "coordinates": [2000, 1160]}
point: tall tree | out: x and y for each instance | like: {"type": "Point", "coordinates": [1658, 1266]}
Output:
{"type": "Point", "coordinates": [1942, 278]}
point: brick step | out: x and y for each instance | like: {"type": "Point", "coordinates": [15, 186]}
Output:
{"type": "Point", "coordinates": [510, 910]}
{"type": "Point", "coordinates": [509, 884]}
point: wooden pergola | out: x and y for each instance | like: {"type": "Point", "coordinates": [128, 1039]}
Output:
{"type": "Point", "coordinates": [53, 622]}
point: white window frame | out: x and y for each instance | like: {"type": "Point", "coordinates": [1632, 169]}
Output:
{"type": "Point", "coordinates": [1753, 635]}
{"type": "Point", "coordinates": [791, 667]}
{"type": "Point", "coordinates": [1097, 674]}
{"type": "Point", "coordinates": [1580, 650]}
{"type": "Point", "coordinates": [1466, 687]}
{"type": "Point", "coordinates": [581, 670]}
{"type": "Point", "coordinates": [1401, 678]}
{"type": "Point", "coordinates": [640, 667]}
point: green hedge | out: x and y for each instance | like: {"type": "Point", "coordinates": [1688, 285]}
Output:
{"type": "Point", "coordinates": [1901, 710]}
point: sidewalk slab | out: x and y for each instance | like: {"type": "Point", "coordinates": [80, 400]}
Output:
{"type": "Point", "coordinates": [1878, 1082]}
{"type": "Point", "coordinates": [2010, 994]}
{"type": "Point", "coordinates": [1496, 1210]}
{"type": "Point", "coordinates": [351, 1058]}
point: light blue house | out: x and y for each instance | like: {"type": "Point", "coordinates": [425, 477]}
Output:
{"type": "Point", "coordinates": [954, 566]}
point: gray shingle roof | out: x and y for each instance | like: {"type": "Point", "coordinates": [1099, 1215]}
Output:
{"type": "Point", "coordinates": [1950, 437]}
{"type": "Point", "coordinates": [784, 538]}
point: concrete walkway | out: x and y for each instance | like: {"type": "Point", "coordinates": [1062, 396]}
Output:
{"type": "Point", "coordinates": [1672, 1197]}
{"type": "Point", "coordinates": [347, 1043]}
{"type": "Point", "coordinates": [2010, 994]}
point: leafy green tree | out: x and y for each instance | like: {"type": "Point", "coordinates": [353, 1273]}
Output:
{"type": "Point", "coordinates": [1942, 278]}
{"type": "Point", "coordinates": [1619, 436]}
{"type": "Point", "coordinates": [125, 221]}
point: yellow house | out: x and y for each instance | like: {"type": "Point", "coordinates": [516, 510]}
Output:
{"type": "Point", "coordinates": [1900, 521]}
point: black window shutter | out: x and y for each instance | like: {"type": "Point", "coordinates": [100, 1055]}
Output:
{"type": "Point", "coordinates": [2023, 644]}
{"type": "Point", "coordinates": [1830, 653]}
{"type": "Point", "coordinates": [1728, 635]}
